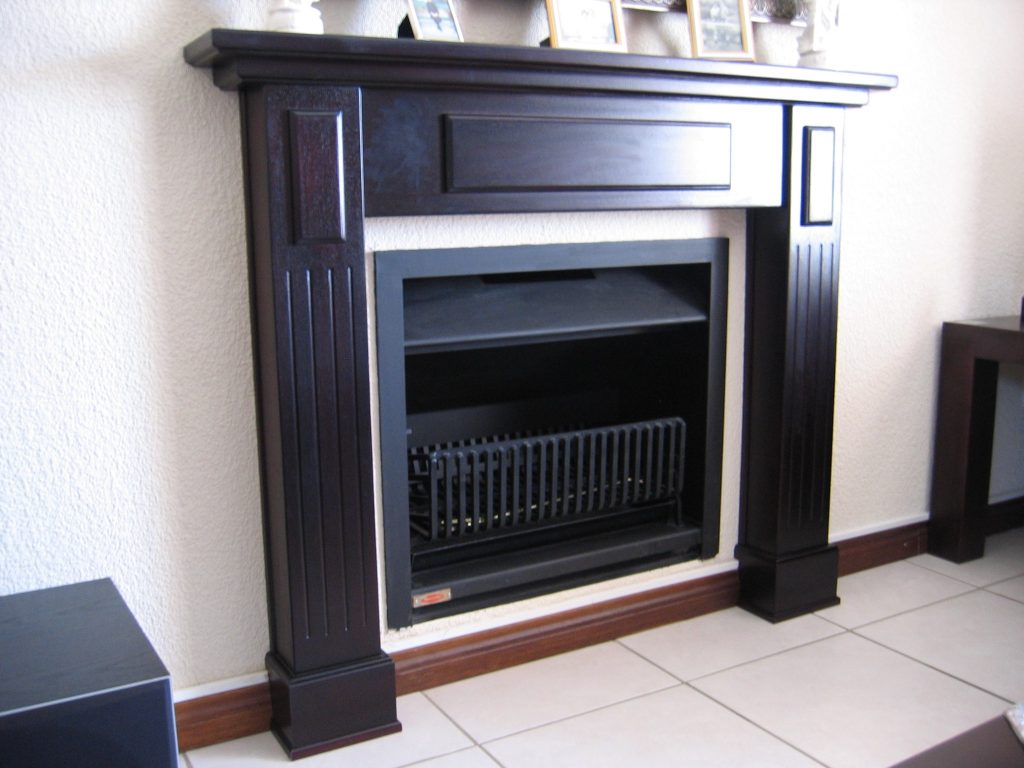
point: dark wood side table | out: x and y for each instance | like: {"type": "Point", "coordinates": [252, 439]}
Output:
{"type": "Point", "coordinates": [968, 376]}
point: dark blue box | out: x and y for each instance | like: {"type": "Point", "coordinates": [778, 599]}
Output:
{"type": "Point", "coordinates": [80, 685]}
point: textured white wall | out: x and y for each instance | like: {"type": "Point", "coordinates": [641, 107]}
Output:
{"type": "Point", "coordinates": [127, 434]}
{"type": "Point", "coordinates": [933, 230]}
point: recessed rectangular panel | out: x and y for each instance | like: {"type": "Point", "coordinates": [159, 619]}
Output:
{"type": "Point", "coordinates": [819, 175]}
{"type": "Point", "coordinates": [317, 170]}
{"type": "Point", "coordinates": [504, 154]}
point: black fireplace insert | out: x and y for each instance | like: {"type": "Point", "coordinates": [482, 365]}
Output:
{"type": "Point", "coordinates": [550, 416]}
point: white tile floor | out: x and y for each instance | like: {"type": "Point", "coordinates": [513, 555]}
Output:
{"type": "Point", "coordinates": [917, 652]}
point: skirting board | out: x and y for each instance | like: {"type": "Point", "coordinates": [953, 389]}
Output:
{"type": "Point", "coordinates": [246, 711]}
{"type": "Point", "coordinates": [1005, 515]}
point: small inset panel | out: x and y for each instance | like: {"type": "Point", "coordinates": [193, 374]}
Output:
{"type": "Point", "coordinates": [501, 154]}
{"type": "Point", "coordinates": [318, 197]}
{"type": "Point", "coordinates": [819, 175]}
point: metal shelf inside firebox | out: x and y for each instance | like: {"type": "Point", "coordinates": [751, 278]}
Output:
{"type": "Point", "coordinates": [476, 311]}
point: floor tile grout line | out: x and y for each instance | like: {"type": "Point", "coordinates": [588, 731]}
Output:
{"type": "Point", "coordinates": [679, 682]}
{"type": "Point", "coordinates": [833, 622]}
{"type": "Point", "coordinates": [450, 718]}
{"type": "Point", "coordinates": [1003, 581]}
{"type": "Point", "coordinates": [963, 580]}
{"type": "Point", "coordinates": [491, 755]}
{"type": "Point", "coordinates": [932, 667]}
{"type": "Point", "coordinates": [925, 568]}
{"type": "Point", "coordinates": [653, 663]}
{"type": "Point", "coordinates": [762, 728]}
{"type": "Point", "coordinates": [841, 631]}
{"type": "Point", "coordinates": [988, 588]}
{"type": "Point", "coordinates": [920, 607]}
{"type": "Point", "coordinates": [948, 599]}
{"type": "Point", "coordinates": [574, 715]}
{"type": "Point", "coordinates": [1008, 597]}
{"type": "Point", "coordinates": [940, 573]}
{"type": "Point", "coordinates": [425, 760]}
{"type": "Point", "coordinates": [910, 561]}
{"type": "Point", "coordinates": [972, 588]}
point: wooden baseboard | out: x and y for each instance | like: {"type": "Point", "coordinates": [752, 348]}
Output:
{"type": "Point", "coordinates": [246, 711]}
{"type": "Point", "coordinates": [875, 549]}
{"type": "Point", "coordinates": [1005, 515]}
{"type": "Point", "coordinates": [223, 716]}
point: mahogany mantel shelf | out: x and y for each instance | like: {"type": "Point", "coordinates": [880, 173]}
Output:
{"type": "Point", "coordinates": [338, 128]}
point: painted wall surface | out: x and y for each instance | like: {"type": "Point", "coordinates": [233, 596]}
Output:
{"type": "Point", "coordinates": [940, 236]}
{"type": "Point", "coordinates": [127, 425]}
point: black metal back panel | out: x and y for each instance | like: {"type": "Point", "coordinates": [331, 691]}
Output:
{"type": "Point", "coordinates": [462, 492]}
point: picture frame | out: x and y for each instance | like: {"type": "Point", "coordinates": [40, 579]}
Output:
{"type": "Point", "coordinates": [794, 12]}
{"type": "Point", "coordinates": [654, 5]}
{"type": "Point", "coordinates": [721, 29]}
{"type": "Point", "coordinates": [434, 20]}
{"type": "Point", "coordinates": [657, 5]}
{"type": "Point", "coordinates": [593, 25]}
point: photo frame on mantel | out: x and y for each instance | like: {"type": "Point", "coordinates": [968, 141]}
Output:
{"type": "Point", "coordinates": [720, 29]}
{"type": "Point", "coordinates": [431, 20]}
{"type": "Point", "coordinates": [594, 25]}
{"type": "Point", "coordinates": [654, 5]}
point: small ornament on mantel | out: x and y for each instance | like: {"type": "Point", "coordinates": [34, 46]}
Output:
{"type": "Point", "coordinates": [820, 36]}
{"type": "Point", "coordinates": [294, 16]}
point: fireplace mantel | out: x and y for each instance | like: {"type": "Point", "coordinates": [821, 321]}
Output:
{"type": "Point", "coordinates": [335, 129]}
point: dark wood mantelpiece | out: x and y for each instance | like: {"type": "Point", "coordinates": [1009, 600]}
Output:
{"type": "Point", "coordinates": [336, 128]}
{"type": "Point", "coordinates": [242, 57]}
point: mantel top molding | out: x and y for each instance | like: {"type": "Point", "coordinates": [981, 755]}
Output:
{"type": "Point", "coordinates": [242, 58]}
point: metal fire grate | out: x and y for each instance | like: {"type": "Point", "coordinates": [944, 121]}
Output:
{"type": "Point", "coordinates": [478, 486]}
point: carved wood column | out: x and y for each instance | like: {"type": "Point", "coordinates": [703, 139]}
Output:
{"type": "Point", "coordinates": [787, 567]}
{"type": "Point", "coordinates": [330, 682]}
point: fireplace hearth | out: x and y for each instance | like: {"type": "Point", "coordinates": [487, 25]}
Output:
{"type": "Point", "coordinates": [335, 129]}
{"type": "Point", "coordinates": [550, 416]}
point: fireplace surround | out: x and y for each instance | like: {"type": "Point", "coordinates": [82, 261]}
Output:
{"type": "Point", "coordinates": [335, 129]}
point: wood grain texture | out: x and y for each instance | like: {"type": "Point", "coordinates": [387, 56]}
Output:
{"type": "Point", "coordinates": [318, 176]}
{"type": "Point", "coordinates": [786, 564]}
{"type": "Point", "coordinates": [313, 379]}
{"type": "Point", "coordinates": [810, 383]}
{"type": "Point", "coordinates": [447, 151]}
{"type": "Point", "coordinates": [312, 361]}
{"type": "Point", "coordinates": [610, 154]}
{"type": "Point", "coordinates": [223, 716]}
{"type": "Point", "coordinates": [240, 58]}
{"type": "Point", "coordinates": [881, 548]}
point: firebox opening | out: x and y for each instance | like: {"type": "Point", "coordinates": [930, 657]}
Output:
{"type": "Point", "coordinates": [550, 431]}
